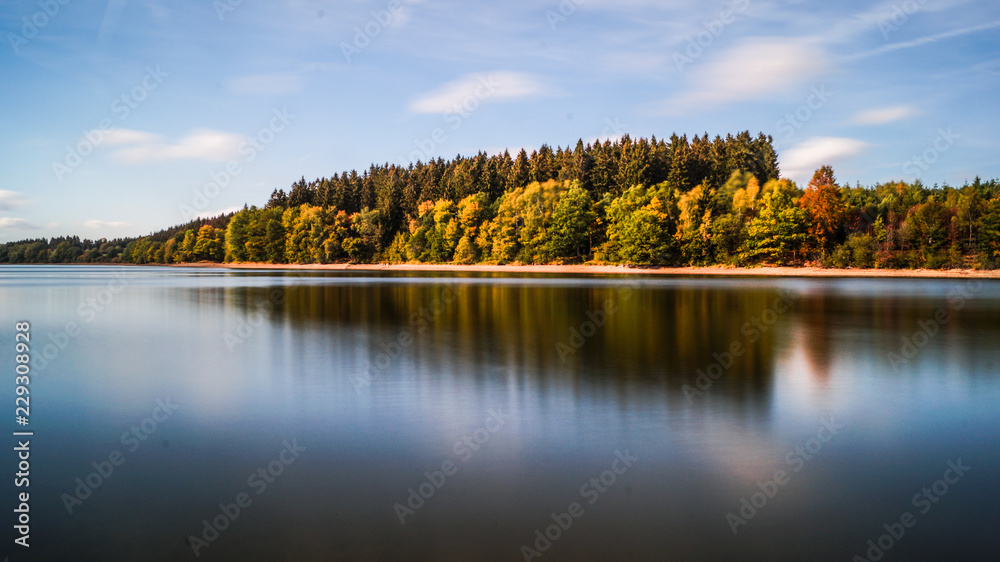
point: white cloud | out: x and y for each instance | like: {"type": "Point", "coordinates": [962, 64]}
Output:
{"type": "Point", "coordinates": [126, 136]}
{"type": "Point", "coordinates": [98, 224]}
{"type": "Point", "coordinates": [10, 200]}
{"type": "Point", "coordinates": [11, 223]}
{"type": "Point", "coordinates": [755, 69]}
{"type": "Point", "coordinates": [266, 84]}
{"type": "Point", "coordinates": [799, 162]}
{"type": "Point", "coordinates": [477, 88]}
{"type": "Point", "coordinates": [200, 144]}
{"type": "Point", "coordinates": [883, 115]}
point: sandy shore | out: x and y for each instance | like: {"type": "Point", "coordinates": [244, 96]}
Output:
{"type": "Point", "coordinates": [610, 269]}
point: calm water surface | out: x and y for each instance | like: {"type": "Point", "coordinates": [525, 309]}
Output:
{"type": "Point", "coordinates": [758, 419]}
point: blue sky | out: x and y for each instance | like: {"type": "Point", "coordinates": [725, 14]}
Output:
{"type": "Point", "coordinates": [122, 117]}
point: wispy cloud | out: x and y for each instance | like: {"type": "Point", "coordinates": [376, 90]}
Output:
{"type": "Point", "coordinates": [754, 69]}
{"type": "Point", "coordinates": [10, 200]}
{"type": "Point", "coordinates": [883, 115]}
{"type": "Point", "coordinates": [799, 162]}
{"type": "Point", "coordinates": [928, 39]}
{"type": "Point", "coordinates": [99, 224]}
{"type": "Point", "coordinates": [200, 144]}
{"type": "Point", "coordinates": [500, 85]}
{"type": "Point", "coordinates": [11, 223]}
{"type": "Point", "coordinates": [112, 14]}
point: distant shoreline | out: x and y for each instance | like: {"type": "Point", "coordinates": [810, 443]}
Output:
{"type": "Point", "coordinates": [616, 270]}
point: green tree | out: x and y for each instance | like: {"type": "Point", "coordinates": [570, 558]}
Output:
{"type": "Point", "coordinates": [693, 226]}
{"type": "Point", "coordinates": [274, 237]}
{"type": "Point", "coordinates": [641, 227]}
{"type": "Point", "coordinates": [338, 228]}
{"type": "Point", "coordinates": [36, 252]}
{"type": "Point", "coordinates": [989, 235]}
{"type": "Point", "coordinates": [304, 234]}
{"type": "Point", "coordinates": [65, 252]}
{"type": "Point", "coordinates": [572, 221]}
{"type": "Point", "coordinates": [778, 232]}
{"type": "Point", "coordinates": [236, 237]}
{"type": "Point", "coordinates": [728, 236]}
{"type": "Point", "coordinates": [520, 230]}
{"type": "Point", "coordinates": [927, 226]}
{"type": "Point", "coordinates": [185, 253]}
{"type": "Point", "coordinates": [209, 244]}
{"type": "Point", "coordinates": [858, 251]}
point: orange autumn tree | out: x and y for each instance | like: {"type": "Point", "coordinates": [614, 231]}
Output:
{"type": "Point", "coordinates": [825, 210]}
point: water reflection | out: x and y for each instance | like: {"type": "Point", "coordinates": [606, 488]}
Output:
{"type": "Point", "coordinates": [709, 381]}
{"type": "Point", "coordinates": [650, 335]}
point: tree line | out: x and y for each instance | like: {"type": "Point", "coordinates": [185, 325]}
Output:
{"type": "Point", "coordinates": [641, 202]}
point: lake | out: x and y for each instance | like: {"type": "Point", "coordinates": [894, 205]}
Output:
{"type": "Point", "coordinates": [188, 413]}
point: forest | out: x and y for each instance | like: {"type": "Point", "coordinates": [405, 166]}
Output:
{"type": "Point", "coordinates": [637, 202]}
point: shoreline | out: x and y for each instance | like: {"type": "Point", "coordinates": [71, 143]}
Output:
{"type": "Point", "coordinates": [775, 271]}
